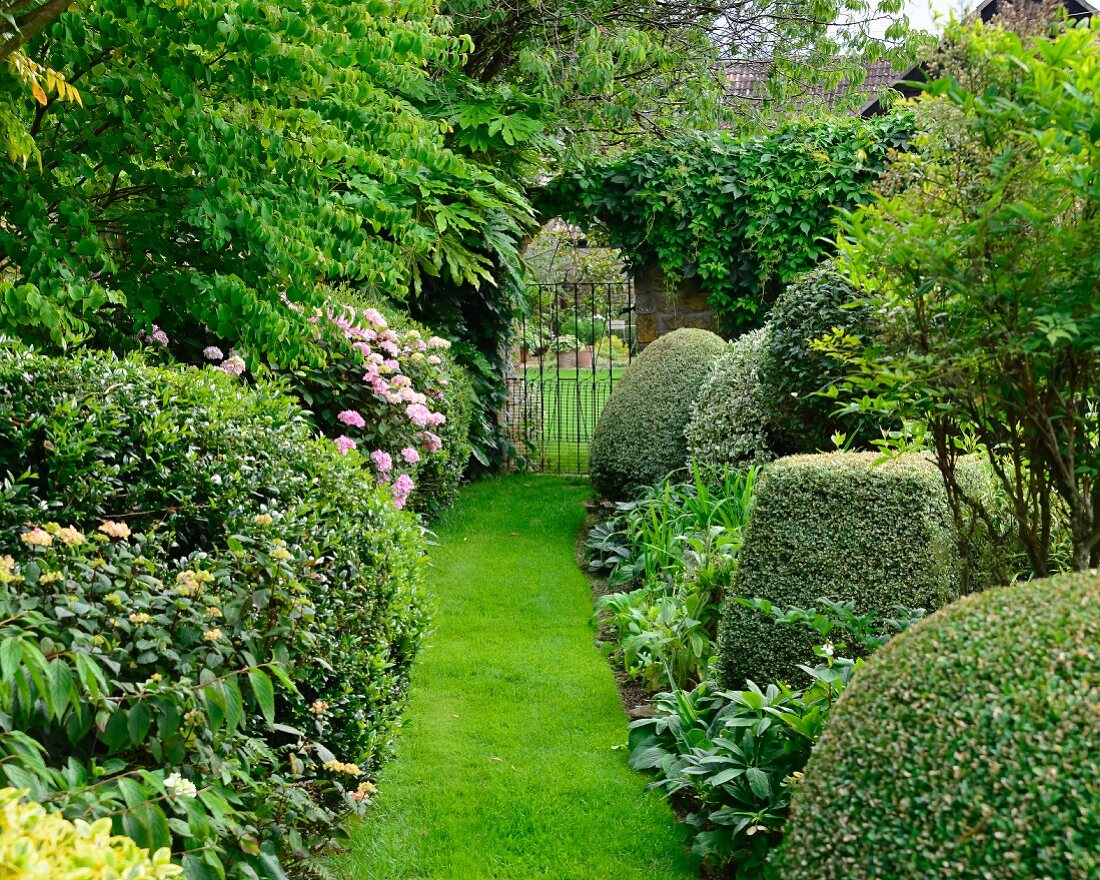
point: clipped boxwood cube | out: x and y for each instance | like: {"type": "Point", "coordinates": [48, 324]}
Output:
{"type": "Point", "coordinates": [841, 526]}
{"type": "Point", "coordinates": [640, 437]}
{"type": "Point", "coordinates": [964, 749]}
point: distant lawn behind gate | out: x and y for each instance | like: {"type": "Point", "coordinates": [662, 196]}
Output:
{"type": "Point", "coordinates": [554, 413]}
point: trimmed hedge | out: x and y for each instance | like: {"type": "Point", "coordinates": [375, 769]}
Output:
{"type": "Point", "coordinates": [966, 748]}
{"type": "Point", "coordinates": [841, 527]}
{"type": "Point", "coordinates": [640, 438]}
{"type": "Point", "coordinates": [732, 420]}
{"type": "Point", "coordinates": [193, 456]}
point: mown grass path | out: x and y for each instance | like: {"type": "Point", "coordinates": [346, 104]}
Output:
{"type": "Point", "coordinates": [505, 769]}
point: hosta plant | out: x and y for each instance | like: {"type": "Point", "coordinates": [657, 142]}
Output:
{"type": "Point", "coordinates": [733, 755]}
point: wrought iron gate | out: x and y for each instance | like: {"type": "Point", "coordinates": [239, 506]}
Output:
{"type": "Point", "coordinates": [572, 348]}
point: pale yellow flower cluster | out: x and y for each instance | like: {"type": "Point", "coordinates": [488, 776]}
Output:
{"type": "Point", "coordinates": [141, 617]}
{"type": "Point", "coordinates": [364, 792]}
{"type": "Point", "coordinates": [190, 582]}
{"type": "Point", "coordinates": [114, 529]}
{"type": "Point", "coordinates": [263, 519]}
{"type": "Point", "coordinates": [37, 537]}
{"type": "Point", "coordinates": [194, 717]}
{"type": "Point", "coordinates": [7, 567]}
{"type": "Point", "coordinates": [71, 537]}
{"type": "Point", "coordinates": [212, 635]}
{"type": "Point", "coordinates": [319, 708]}
{"type": "Point", "coordinates": [340, 767]}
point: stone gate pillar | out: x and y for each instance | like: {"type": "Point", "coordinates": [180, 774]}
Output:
{"type": "Point", "coordinates": [661, 305]}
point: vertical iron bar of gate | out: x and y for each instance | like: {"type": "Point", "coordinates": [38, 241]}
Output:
{"type": "Point", "coordinates": [542, 382]}
{"type": "Point", "coordinates": [575, 434]}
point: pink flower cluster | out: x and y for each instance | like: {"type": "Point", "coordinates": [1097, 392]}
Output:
{"type": "Point", "coordinates": [402, 486]}
{"type": "Point", "coordinates": [388, 356]}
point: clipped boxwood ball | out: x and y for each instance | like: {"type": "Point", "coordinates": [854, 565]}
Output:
{"type": "Point", "coordinates": [640, 437]}
{"type": "Point", "coordinates": [842, 526]}
{"type": "Point", "coordinates": [793, 372]}
{"type": "Point", "coordinates": [965, 749]}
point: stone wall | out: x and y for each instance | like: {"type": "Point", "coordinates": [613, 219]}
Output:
{"type": "Point", "coordinates": [661, 306]}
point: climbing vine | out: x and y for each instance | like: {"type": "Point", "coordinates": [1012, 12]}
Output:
{"type": "Point", "coordinates": [744, 215]}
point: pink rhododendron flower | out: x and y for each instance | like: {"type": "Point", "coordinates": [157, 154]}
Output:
{"type": "Point", "coordinates": [159, 336]}
{"type": "Point", "coordinates": [391, 365]}
{"type": "Point", "coordinates": [376, 318]}
{"type": "Point", "coordinates": [212, 353]}
{"type": "Point", "coordinates": [344, 444]}
{"type": "Point", "coordinates": [419, 414]}
{"type": "Point", "coordinates": [382, 461]}
{"type": "Point", "coordinates": [380, 385]}
{"type": "Point", "coordinates": [351, 418]}
{"type": "Point", "coordinates": [402, 486]}
{"type": "Point", "coordinates": [436, 419]}
{"type": "Point", "coordinates": [401, 382]}
{"type": "Point", "coordinates": [438, 342]}
{"type": "Point", "coordinates": [389, 348]}
{"type": "Point", "coordinates": [410, 455]}
{"type": "Point", "coordinates": [431, 441]}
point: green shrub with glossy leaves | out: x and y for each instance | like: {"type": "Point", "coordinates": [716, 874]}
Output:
{"type": "Point", "coordinates": [155, 694]}
{"type": "Point", "coordinates": [964, 749]}
{"type": "Point", "coordinates": [193, 456]}
{"type": "Point", "coordinates": [640, 438]}
{"type": "Point", "coordinates": [845, 527]}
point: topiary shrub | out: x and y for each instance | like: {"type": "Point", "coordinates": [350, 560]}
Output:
{"type": "Point", "coordinates": [839, 526]}
{"type": "Point", "coordinates": [965, 748]}
{"type": "Point", "coordinates": [640, 437]}
{"type": "Point", "coordinates": [194, 456]}
{"type": "Point", "coordinates": [792, 372]}
{"type": "Point", "coordinates": [732, 419]}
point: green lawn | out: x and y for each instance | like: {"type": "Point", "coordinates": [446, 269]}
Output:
{"type": "Point", "coordinates": [506, 768]}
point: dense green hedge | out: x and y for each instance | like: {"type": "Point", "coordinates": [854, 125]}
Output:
{"type": "Point", "coordinates": [640, 437]}
{"type": "Point", "coordinates": [194, 456]}
{"type": "Point", "coordinates": [842, 527]}
{"type": "Point", "coordinates": [966, 748]}
{"type": "Point", "coordinates": [732, 419]}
